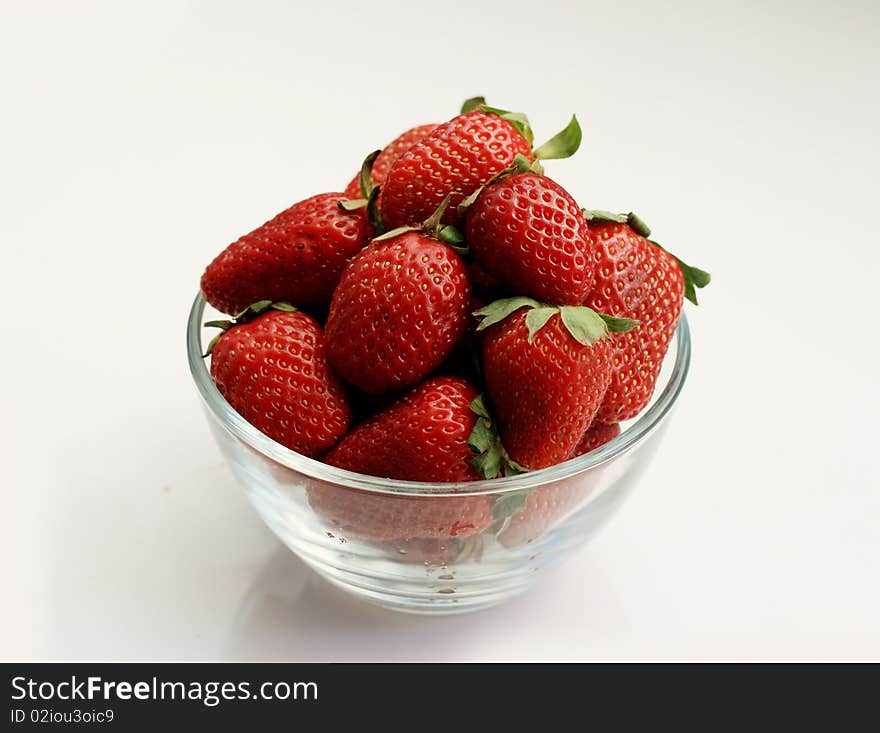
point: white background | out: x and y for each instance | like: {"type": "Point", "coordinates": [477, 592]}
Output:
{"type": "Point", "coordinates": [139, 139]}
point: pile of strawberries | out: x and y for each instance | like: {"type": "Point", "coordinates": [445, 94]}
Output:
{"type": "Point", "coordinates": [452, 315]}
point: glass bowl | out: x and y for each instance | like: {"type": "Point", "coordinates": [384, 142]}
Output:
{"type": "Point", "coordinates": [434, 548]}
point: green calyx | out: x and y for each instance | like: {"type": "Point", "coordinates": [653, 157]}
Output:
{"type": "Point", "coordinates": [365, 179]}
{"type": "Point", "coordinates": [248, 314]}
{"type": "Point", "coordinates": [584, 324]}
{"type": "Point", "coordinates": [491, 459]}
{"type": "Point", "coordinates": [374, 216]}
{"type": "Point", "coordinates": [563, 144]}
{"type": "Point", "coordinates": [694, 277]}
{"type": "Point", "coordinates": [631, 219]}
{"type": "Point", "coordinates": [519, 120]}
{"type": "Point", "coordinates": [471, 104]}
{"type": "Point", "coordinates": [365, 183]}
{"type": "Point", "coordinates": [432, 227]}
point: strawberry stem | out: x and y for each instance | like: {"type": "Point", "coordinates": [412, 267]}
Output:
{"type": "Point", "coordinates": [431, 225]}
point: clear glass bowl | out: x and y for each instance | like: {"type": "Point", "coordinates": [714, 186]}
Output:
{"type": "Point", "coordinates": [345, 525]}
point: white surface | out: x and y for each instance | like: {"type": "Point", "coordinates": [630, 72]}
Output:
{"type": "Point", "coordinates": [138, 139]}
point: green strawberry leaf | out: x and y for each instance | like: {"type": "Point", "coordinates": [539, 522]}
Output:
{"type": "Point", "coordinates": [482, 436]}
{"type": "Point", "coordinates": [583, 323]}
{"type": "Point", "coordinates": [694, 277]}
{"type": "Point", "coordinates": [509, 504]}
{"type": "Point", "coordinates": [473, 103]}
{"type": "Point", "coordinates": [212, 343]}
{"type": "Point", "coordinates": [285, 307]}
{"type": "Point", "coordinates": [451, 235]}
{"type": "Point", "coordinates": [521, 164]}
{"type": "Point", "coordinates": [517, 119]}
{"type": "Point", "coordinates": [249, 313]}
{"type": "Point", "coordinates": [485, 441]}
{"type": "Point", "coordinates": [700, 277]}
{"type": "Point", "coordinates": [563, 144]}
{"type": "Point", "coordinates": [255, 309]}
{"type": "Point", "coordinates": [396, 233]}
{"type": "Point", "coordinates": [352, 204]}
{"type": "Point", "coordinates": [478, 406]}
{"type": "Point", "coordinates": [634, 221]}
{"type": "Point", "coordinates": [599, 215]}
{"type": "Point", "coordinates": [365, 179]}
{"type": "Point", "coordinates": [374, 216]}
{"type": "Point", "coordinates": [537, 318]}
{"type": "Point", "coordinates": [488, 464]}
{"type": "Point", "coordinates": [619, 325]}
{"type": "Point", "coordinates": [637, 225]}
{"type": "Point", "coordinates": [500, 309]}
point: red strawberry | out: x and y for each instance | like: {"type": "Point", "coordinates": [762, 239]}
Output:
{"type": "Point", "coordinates": [274, 373]}
{"type": "Point", "coordinates": [546, 370]}
{"type": "Point", "coordinates": [399, 309]}
{"type": "Point", "coordinates": [296, 257]}
{"type": "Point", "coordinates": [386, 158]}
{"type": "Point", "coordinates": [421, 437]}
{"type": "Point", "coordinates": [380, 517]}
{"type": "Point", "coordinates": [596, 436]}
{"type": "Point", "coordinates": [636, 278]}
{"type": "Point", "coordinates": [462, 155]}
{"type": "Point", "coordinates": [483, 282]}
{"type": "Point", "coordinates": [457, 157]}
{"type": "Point", "coordinates": [545, 507]}
{"type": "Point", "coordinates": [529, 233]}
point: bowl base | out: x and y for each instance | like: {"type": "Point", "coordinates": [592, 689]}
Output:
{"type": "Point", "coordinates": [443, 604]}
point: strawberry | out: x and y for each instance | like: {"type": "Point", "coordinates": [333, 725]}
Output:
{"type": "Point", "coordinates": [636, 278]}
{"type": "Point", "coordinates": [296, 257]}
{"type": "Point", "coordinates": [421, 437]}
{"type": "Point", "coordinates": [483, 282]}
{"type": "Point", "coordinates": [542, 509]}
{"type": "Point", "coordinates": [271, 367]}
{"type": "Point", "coordinates": [381, 517]}
{"type": "Point", "coordinates": [530, 234]}
{"type": "Point", "coordinates": [460, 156]}
{"type": "Point", "coordinates": [596, 436]}
{"type": "Point", "coordinates": [532, 514]}
{"type": "Point", "coordinates": [399, 310]}
{"type": "Point", "coordinates": [546, 370]}
{"type": "Point", "coordinates": [386, 158]}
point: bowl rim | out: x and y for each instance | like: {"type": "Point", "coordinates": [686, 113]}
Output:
{"type": "Point", "coordinates": [232, 422]}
